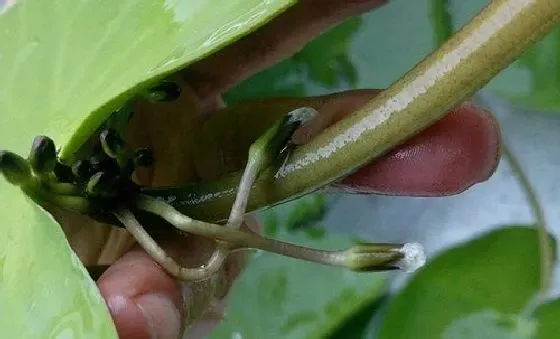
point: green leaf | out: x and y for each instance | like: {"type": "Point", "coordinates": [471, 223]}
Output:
{"type": "Point", "coordinates": [279, 297]}
{"type": "Point", "coordinates": [358, 324]}
{"type": "Point", "coordinates": [83, 59]}
{"type": "Point", "coordinates": [489, 324]}
{"type": "Point", "coordinates": [65, 65]}
{"type": "Point", "coordinates": [44, 290]}
{"type": "Point", "coordinates": [533, 81]}
{"type": "Point", "coordinates": [493, 276]}
{"type": "Point", "coordinates": [548, 316]}
{"type": "Point", "coordinates": [326, 57]}
{"type": "Point", "coordinates": [441, 20]}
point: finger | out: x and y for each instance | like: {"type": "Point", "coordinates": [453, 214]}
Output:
{"type": "Point", "coordinates": [275, 41]}
{"type": "Point", "coordinates": [447, 158]}
{"type": "Point", "coordinates": [461, 149]}
{"type": "Point", "coordinates": [143, 300]}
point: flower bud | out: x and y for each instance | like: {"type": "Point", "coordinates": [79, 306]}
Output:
{"type": "Point", "coordinates": [42, 157]}
{"type": "Point", "coordinates": [375, 257]}
{"type": "Point", "coordinates": [15, 169]}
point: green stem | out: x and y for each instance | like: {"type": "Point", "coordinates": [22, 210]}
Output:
{"type": "Point", "coordinates": [237, 238]}
{"type": "Point", "coordinates": [442, 21]}
{"type": "Point", "coordinates": [501, 32]}
{"type": "Point", "coordinates": [545, 246]}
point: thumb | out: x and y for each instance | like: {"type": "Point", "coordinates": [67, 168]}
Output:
{"type": "Point", "coordinates": [143, 300]}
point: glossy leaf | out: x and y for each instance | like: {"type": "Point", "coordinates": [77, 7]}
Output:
{"type": "Point", "coordinates": [65, 65]}
{"type": "Point", "coordinates": [279, 297]}
{"type": "Point", "coordinates": [489, 278]}
{"type": "Point", "coordinates": [82, 59]}
{"type": "Point", "coordinates": [44, 290]}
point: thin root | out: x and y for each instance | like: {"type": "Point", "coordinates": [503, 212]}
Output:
{"type": "Point", "coordinates": [240, 205]}
{"type": "Point", "coordinates": [161, 257]}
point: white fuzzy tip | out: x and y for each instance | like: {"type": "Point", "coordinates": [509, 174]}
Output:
{"type": "Point", "coordinates": [302, 114]}
{"type": "Point", "coordinates": [414, 257]}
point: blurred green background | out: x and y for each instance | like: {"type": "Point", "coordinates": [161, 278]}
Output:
{"type": "Point", "coordinates": [483, 270]}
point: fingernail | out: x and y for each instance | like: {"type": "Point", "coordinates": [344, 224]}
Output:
{"type": "Point", "coordinates": [162, 316]}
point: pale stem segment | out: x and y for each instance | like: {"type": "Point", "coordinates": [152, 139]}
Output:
{"type": "Point", "coordinates": [161, 257]}
{"type": "Point", "coordinates": [262, 154]}
{"type": "Point", "coordinates": [363, 257]}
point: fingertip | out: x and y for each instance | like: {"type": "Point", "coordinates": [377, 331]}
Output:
{"type": "Point", "coordinates": [143, 300]}
{"type": "Point", "coordinates": [459, 151]}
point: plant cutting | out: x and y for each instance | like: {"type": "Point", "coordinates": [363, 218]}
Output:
{"type": "Point", "coordinates": [276, 171]}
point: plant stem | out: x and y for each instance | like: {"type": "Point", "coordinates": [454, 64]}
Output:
{"type": "Point", "coordinates": [237, 238]}
{"type": "Point", "coordinates": [254, 166]}
{"type": "Point", "coordinates": [370, 257]}
{"type": "Point", "coordinates": [487, 44]}
{"type": "Point", "coordinates": [159, 255]}
{"type": "Point", "coordinates": [545, 247]}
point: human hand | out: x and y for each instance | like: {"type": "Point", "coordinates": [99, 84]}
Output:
{"type": "Point", "coordinates": [459, 151]}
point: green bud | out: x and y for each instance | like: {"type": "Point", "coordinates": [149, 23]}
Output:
{"type": "Point", "coordinates": [112, 143]}
{"type": "Point", "coordinates": [165, 91]}
{"type": "Point", "coordinates": [376, 257]}
{"type": "Point", "coordinates": [15, 169]}
{"type": "Point", "coordinates": [42, 157]}
{"type": "Point", "coordinates": [102, 184]}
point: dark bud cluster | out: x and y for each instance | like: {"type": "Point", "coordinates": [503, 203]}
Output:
{"type": "Point", "coordinates": [106, 174]}
{"type": "Point", "coordinates": [101, 180]}
{"type": "Point", "coordinates": [91, 185]}
{"type": "Point", "coordinates": [42, 157]}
